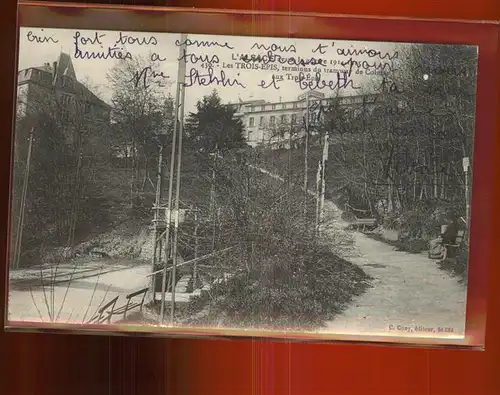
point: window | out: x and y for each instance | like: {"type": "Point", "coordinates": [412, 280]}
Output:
{"type": "Point", "coordinates": [262, 108]}
{"type": "Point", "coordinates": [295, 105]}
{"type": "Point", "coordinates": [283, 118]}
{"type": "Point", "coordinates": [274, 107]}
{"type": "Point", "coordinates": [251, 122]}
{"type": "Point", "coordinates": [65, 99]}
{"type": "Point", "coordinates": [283, 106]}
{"type": "Point", "coordinates": [272, 120]}
{"type": "Point", "coordinates": [294, 118]}
{"type": "Point", "coordinates": [261, 121]}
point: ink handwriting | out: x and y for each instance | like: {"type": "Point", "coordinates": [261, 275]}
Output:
{"type": "Point", "coordinates": [388, 86]}
{"type": "Point", "coordinates": [272, 84]}
{"type": "Point", "coordinates": [372, 53]}
{"type": "Point", "coordinates": [274, 47]}
{"type": "Point", "coordinates": [202, 44]}
{"type": "Point", "coordinates": [124, 40]}
{"type": "Point", "coordinates": [195, 78]}
{"type": "Point", "coordinates": [96, 39]}
{"type": "Point", "coordinates": [321, 48]}
{"type": "Point", "coordinates": [111, 52]}
{"type": "Point", "coordinates": [157, 58]}
{"type": "Point", "coordinates": [32, 37]}
{"type": "Point", "coordinates": [193, 58]}
{"type": "Point", "coordinates": [366, 66]}
{"type": "Point", "coordinates": [342, 81]}
{"type": "Point", "coordinates": [271, 57]}
{"type": "Point", "coordinates": [146, 75]}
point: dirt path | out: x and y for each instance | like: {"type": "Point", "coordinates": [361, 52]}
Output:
{"type": "Point", "coordinates": [409, 293]}
{"type": "Point", "coordinates": [81, 300]}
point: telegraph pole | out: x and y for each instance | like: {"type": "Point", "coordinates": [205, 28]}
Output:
{"type": "Point", "coordinates": [24, 192]}
{"type": "Point", "coordinates": [158, 231]}
{"type": "Point", "coordinates": [323, 184]}
{"type": "Point", "coordinates": [181, 75]}
{"type": "Point", "coordinates": [182, 88]}
{"type": "Point", "coordinates": [306, 153]}
{"type": "Point", "coordinates": [318, 193]}
{"type": "Point", "coordinates": [195, 248]}
{"type": "Point", "coordinates": [466, 165]}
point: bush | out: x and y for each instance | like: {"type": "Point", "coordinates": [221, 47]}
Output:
{"type": "Point", "coordinates": [280, 274]}
{"type": "Point", "coordinates": [301, 292]}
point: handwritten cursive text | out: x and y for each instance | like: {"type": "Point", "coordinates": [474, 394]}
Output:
{"type": "Point", "coordinates": [341, 81]}
{"type": "Point", "coordinates": [195, 78]}
{"type": "Point", "coordinates": [32, 37]}
{"type": "Point", "coordinates": [146, 76]}
{"type": "Point", "coordinates": [274, 47]}
{"type": "Point", "coordinates": [202, 44]}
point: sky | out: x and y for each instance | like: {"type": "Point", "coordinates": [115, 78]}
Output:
{"type": "Point", "coordinates": [32, 52]}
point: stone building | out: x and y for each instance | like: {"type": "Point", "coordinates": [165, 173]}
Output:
{"type": "Point", "coordinates": [270, 123]}
{"type": "Point", "coordinates": [54, 89]}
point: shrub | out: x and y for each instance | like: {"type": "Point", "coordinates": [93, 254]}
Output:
{"type": "Point", "coordinates": [281, 276]}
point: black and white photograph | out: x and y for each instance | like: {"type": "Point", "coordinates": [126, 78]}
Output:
{"type": "Point", "coordinates": [260, 183]}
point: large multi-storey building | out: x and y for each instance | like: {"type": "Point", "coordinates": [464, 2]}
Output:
{"type": "Point", "coordinates": [270, 123]}
{"type": "Point", "coordinates": [55, 88]}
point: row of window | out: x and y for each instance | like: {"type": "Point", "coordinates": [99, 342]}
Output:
{"type": "Point", "coordinates": [272, 120]}
{"type": "Point", "coordinates": [295, 105]}
{"type": "Point", "coordinates": [274, 106]}
{"type": "Point", "coordinates": [283, 119]}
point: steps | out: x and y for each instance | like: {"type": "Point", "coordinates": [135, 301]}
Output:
{"type": "Point", "coordinates": [181, 294]}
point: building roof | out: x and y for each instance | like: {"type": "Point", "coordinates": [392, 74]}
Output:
{"type": "Point", "coordinates": [60, 73]}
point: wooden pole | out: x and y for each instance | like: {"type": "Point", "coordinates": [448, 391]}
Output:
{"type": "Point", "coordinates": [74, 205]}
{"type": "Point", "coordinates": [24, 192]}
{"type": "Point", "coordinates": [177, 198]}
{"type": "Point", "coordinates": [306, 153]}
{"type": "Point", "coordinates": [290, 158]}
{"type": "Point", "coordinates": [195, 265]}
{"type": "Point", "coordinates": [156, 217]}
{"type": "Point", "coordinates": [180, 77]}
{"type": "Point", "coordinates": [318, 193]}
{"type": "Point", "coordinates": [323, 182]}
{"type": "Point", "coordinates": [466, 164]}
{"type": "Point", "coordinates": [180, 111]}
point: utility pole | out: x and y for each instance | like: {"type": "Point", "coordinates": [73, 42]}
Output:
{"type": "Point", "coordinates": [289, 179]}
{"type": "Point", "coordinates": [74, 205]}
{"type": "Point", "coordinates": [158, 230]}
{"type": "Point", "coordinates": [323, 183]}
{"type": "Point", "coordinates": [180, 86]}
{"type": "Point", "coordinates": [195, 248]}
{"type": "Point", "coordinates": [318, 193]}
{"type": "Point", "coordinates": [306, 153]}
{"type": "Point", "coordinates": [466, 165]}
{"type": "Point", "coordinates": [24, 192]}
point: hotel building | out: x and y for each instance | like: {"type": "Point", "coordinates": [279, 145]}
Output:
{"type": "Point", "coordinates": [270, 123]}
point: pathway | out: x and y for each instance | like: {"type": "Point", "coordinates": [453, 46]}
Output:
{"type": "Point", "coordinates": [80, 300]}
{"type": "Point", "coordinates": [409, 294]}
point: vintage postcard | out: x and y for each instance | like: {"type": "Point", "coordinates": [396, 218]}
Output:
{"type": "Point", "coordinates": [265, 184]}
